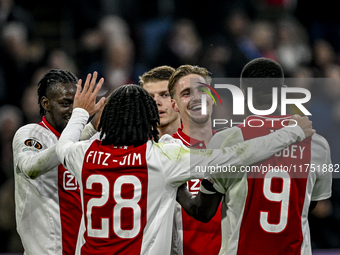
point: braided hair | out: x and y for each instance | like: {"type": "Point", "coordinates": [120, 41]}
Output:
{"type": "Point", "coordinates": [130, 117]}
{"type": "Point", "coordinates": [51, 79]}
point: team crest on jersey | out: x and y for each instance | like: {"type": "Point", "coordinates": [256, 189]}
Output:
{"type": "Point", "coordinates": [33, 143]}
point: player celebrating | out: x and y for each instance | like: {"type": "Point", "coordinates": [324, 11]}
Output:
{"type": "Point", "coordinates": [156, 82]}
{"type": "Point", "coordinates": [128, 181]}
{"type": "Point", "coordinates": [47, 197]}
{"type": "Point", "coordinates": [193, 236]}
{"type": "Point", "coordinates": [266, 211]}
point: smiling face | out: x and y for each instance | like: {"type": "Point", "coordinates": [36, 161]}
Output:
{"type": "Point", "coordinates": [188, 102]}
{"type": "Point", "coordinates": [59, 105]}
{"type": "Point", "coordinates": [159, 91]}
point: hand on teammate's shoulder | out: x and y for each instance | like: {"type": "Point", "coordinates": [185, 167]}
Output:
{"type": "Point", "coordinates": [304, 123]}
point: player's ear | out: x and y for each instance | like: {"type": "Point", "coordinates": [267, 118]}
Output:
{"type": "Point", "coordinates": [45, 103]}
{"type": "Point", "coordinates": [174, 105]}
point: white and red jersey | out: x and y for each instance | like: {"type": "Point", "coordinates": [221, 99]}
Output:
{"type": "Point", "coordinates": [193, 236]}
{"type": "Point", "coordinates": [48, 208]}
{"type": "Point", "coordinates": [128, 193]}
{"type": "Point", "coordinates": [267, 210]}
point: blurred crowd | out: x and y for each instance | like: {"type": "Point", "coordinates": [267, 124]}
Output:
{"type": "Point", "coordinates": [121, 39]}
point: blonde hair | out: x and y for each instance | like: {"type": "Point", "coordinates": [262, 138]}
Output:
{"type": "Point", "coordinates": [160, 73]}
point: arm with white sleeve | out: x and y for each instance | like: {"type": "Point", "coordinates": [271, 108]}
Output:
{"type": "Point", "coordinates": [28, 160]}
{"type": "Point", "coordinates": [71, 135]}
{"type": "Point", "coordinates": [321, 157]}
{"type": "Point", "coordinates": [88, 132]}
{"type": "Point", "coordinates": [32, 162]}
{"type": "Point", "coordinates": [84, 106]}
{"type": "Point", "coordinates": [241, 154]}
{"type": "Point", "coordinates": [249, 152]}
{"type": "Point", "coordinates": [91, 129]}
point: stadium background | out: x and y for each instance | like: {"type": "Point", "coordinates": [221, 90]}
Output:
{"type": "Point", "coordinates": [121, 39]}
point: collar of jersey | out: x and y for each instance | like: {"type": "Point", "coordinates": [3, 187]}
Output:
{"type": "Point", "coordinates": [48, 126]}
{"type": "Point", "coordinates": [191, 142]}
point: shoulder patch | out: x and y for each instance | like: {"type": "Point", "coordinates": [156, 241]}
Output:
{"type": "Point", "coordinates": [33, 143]}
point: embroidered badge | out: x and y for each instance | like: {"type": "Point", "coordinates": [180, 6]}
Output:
{"type": "Point", "coordinates": [33, 143]}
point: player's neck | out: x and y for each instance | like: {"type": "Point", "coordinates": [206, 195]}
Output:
{"type": "Point", "coordinates": [169, 129]}
{"type": "Point", "coordinates": [52, 123]}
{"type": "Point", "coordinates": [197, 131]}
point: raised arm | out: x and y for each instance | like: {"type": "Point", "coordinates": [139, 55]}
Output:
{"type": "Point", "coordinates": [84, 106]}
{"type": "Point", "coordinates": [91, 128]}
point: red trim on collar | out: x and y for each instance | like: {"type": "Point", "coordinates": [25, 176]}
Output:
{"type": "Point", "coordinates": [48, 126]}
{"type": "Point", "coordinates": [189, 141]}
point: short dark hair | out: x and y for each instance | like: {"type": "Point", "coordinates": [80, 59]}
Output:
{"type": "Point", "coordinates": [130, 117]}
{"type": "Point", "coordinates": [50, 79]}
{"type": "Point", "coordinates": [160, 73]}
{"type": "Point", "coordinates": [262, 74]}
{"type": "Point", "coordinates": [185, 70]}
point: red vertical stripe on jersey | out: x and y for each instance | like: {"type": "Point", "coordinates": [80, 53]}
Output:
{"type": "Point", "coordinates": [119, 218]}
{"type": "Point", "coordinates": [255, 237]}
{"type": "Point", "coordinates": [69, 203]}
{"type": "Point", "coordinates": [70, 210]}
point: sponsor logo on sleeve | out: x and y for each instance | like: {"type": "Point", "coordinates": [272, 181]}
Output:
{"type": "Point", "coordinates": [33, 143]}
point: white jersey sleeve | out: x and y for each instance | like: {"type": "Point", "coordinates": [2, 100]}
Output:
{"type": "Point", "coordinates": [32, 158]}
{"type": "Point", "coordinates": [257, 149]}
{"type": "Point", "coordinates": [175, 157]}
{"type": "Point", "coordinates": [88, 132]}
{"type": "Point", "coordinates": [245, 153]}
{"type": "Point", "coordinates": [67, 149]}
{"type": "Point", "coordinates": [226, 138]}
{"type": "Point", "coordinates": [321, 157]}
{"type": "Point", "coordinates": [320, 152]}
